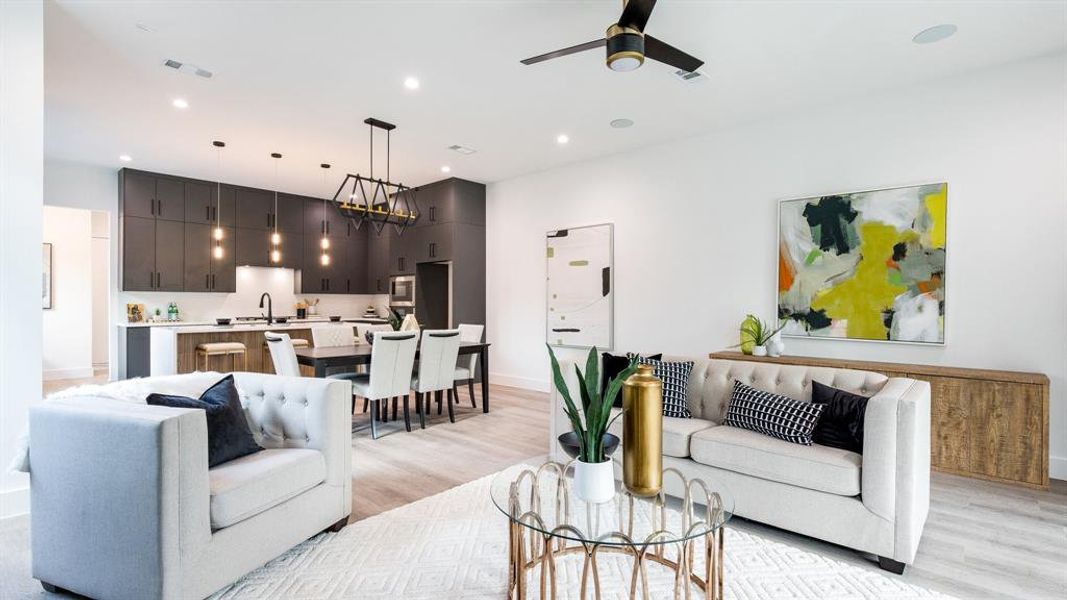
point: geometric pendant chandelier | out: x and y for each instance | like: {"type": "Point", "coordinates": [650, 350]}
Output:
{"type": "Point", "coordinates": [380, 202]}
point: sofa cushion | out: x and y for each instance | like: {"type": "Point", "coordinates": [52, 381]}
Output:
{"type": "Point", "coordinates": [841, 424]}
{"type": "Point", "coordinates": [676, 432]}
{"type": "Point", "coordinates": [249, 485]}
{"type": "Point", "coordinates": [820, 468]}
{"type": "Point", "coordinates": [772, 414]}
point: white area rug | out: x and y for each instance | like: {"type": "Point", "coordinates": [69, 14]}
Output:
{"type": "Point", "coordinates": [454, 545]}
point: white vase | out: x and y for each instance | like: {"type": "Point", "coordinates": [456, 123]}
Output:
{"type": "Point", "coordinates": [776, 347]}
{"type": "Point", "coordinates": [594, 482]}
{"type": "Point", "coordinates": [759, 351]}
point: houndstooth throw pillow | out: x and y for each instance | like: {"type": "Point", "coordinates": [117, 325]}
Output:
{"type": "Point", "coordinates": [772, 414]}
{"type": "Point", "coordinates": [675, 378]}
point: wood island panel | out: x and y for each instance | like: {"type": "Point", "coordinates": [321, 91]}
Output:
{"type": "Point", "coordinates": [258, 357]}
{"type": "Point", "coordinates": [984, 423]}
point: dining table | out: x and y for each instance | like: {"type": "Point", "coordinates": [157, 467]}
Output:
{"type": "Point", "coordinates": [321, 359]}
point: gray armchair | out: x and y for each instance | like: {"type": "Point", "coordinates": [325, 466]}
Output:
{"type": "Point", "coordinates": [124, 505]}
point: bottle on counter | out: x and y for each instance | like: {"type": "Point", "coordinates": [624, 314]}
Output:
{"type": "Point", "coordinates": [172, 312]}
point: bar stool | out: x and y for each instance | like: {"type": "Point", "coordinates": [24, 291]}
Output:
{"type": "Point", "coordinates": [231, 349]}
{"type": "Point", "coordinates": [297, 343]}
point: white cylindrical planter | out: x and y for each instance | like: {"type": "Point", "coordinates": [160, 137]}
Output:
{"type": "Point", "coordinates": [759, 351]}
{"type": "Point", "coordinates": [594, 482]}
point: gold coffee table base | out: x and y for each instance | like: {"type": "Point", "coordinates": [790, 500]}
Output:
{"type": "Point", "coordinates": [531, 545]}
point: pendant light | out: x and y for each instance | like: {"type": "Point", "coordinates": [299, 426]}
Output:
{"type": "Point", "coordinates": [324, 244]}
{"type": "Point", "coordinates": [218, 252]}
{"type": "Point", "coordinates": [275, 237]}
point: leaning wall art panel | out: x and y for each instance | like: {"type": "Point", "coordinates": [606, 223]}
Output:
{"type": "Point", "coordinates": [580, 286]}
{"type": "Point", "coordinates": [864, 265]}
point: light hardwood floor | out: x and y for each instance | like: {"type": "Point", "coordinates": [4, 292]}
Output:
{"type": "Point", "coordinates": [982, 540]}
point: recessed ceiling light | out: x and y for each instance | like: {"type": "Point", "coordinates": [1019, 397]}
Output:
{"type": "Point", "coordinates": [411, 83]}
{"type": "Point", "coordinates": [462, 149]}
{"type": "Point", "coordinates": [125, 157]}
{"type": "Point", "coordinates": [622, 123]}
{"type": "Point", "coordinates": [180, 103]}
{"type": "Point", "coordinates": [935, 34]}
{"type": "Point", "coordinates": [562, 139]}
{"type": "Point", "coordinates": [446, 169]}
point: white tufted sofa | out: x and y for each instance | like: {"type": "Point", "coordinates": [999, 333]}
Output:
{"type": "Point", "coordinates": [875, 503]}
{"type": "Point", "coordinates": [124, 505]}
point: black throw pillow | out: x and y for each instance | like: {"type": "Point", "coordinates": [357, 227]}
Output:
{"type": "Point", "coordinates": [610, 367]}
{"type": "Point", "coordinates": [228, 435]}
{"type": "Point", "coordinates": [841, 423]}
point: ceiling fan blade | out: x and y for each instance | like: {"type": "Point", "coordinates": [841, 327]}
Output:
{"type": "Point", "coordinates": [636, 14]}
{"type": "Point", "coordinates": [564, 52]}
{"type": "Point", "coordinates": [668, 54]}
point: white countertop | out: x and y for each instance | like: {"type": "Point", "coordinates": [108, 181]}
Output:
{"type": "Point", "coordinates": [202, 326]}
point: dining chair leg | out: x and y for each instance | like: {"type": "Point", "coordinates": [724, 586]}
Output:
{"type": "Point", "coordinates": [421, 409]}
{"type": "Point", "coordinates": [407, 416]}
{"type": "Point", "coordinates": [437, 396]}
{"type": "Point", "coordinates": [455, 393]}
{"type": "Point", "coordinates": [365, 403]}
{"type": "Point", "coordinates": [395, 400]}
{"type": "Point", "coordinates": [374, 419]}
{"type": "Point", "coordinates": [353, 404]}
{"type": "Point", "coordinates": [383, 405]}
{"type": "Point", "coordinates": [426, 397]}
{"type": "Point", "coordinates": [470, 388]}
{"type": "Point", "coordinates": [451, 414]}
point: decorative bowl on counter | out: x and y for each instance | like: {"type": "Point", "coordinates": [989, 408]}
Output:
{"type": "Point", "coordinates": [223, 321]}
{"type": "Point", "coordinates": [281, 320]}
{"type": "Point", "coordinates": [335, 319]}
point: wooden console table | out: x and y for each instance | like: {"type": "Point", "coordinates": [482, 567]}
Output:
{"type": "Point", "coordinates": [984, 423]}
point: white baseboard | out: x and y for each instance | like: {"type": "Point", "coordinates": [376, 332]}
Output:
{"type": "Point", "coordinates": [1057, 467]}
{"type": "Point", "coordinates": [14, 503]}
{"type": "Point", "coordinates": [526, 383]}
{"type": "Point", "coordinates": [77, 373]}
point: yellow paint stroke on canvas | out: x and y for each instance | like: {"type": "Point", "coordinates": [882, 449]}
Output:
{"type": "Point", "coordinates": [861, 299]}
{"type": "Point", "coordinates": [936, 206]}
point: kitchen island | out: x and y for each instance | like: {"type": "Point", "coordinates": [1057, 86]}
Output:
{"type": "Point", "coordinates": [170, 348]}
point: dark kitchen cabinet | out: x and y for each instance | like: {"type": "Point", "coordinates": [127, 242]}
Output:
{"type": "Point", "coordinates": [320, 219]}
{"type": "Point", "coordinates": [148, 196]}
{"type": "Point", "coordinates": [451, 201]}
{"type": "Point", "coordinates": [204, 272]}
{"type": "Point", "coordinates": [378, 262]}
{"type": "Point", "coordinates": [210, 204]}
{"type": "Point", "coordinates": [403, 249]}
{"type": "Point", "coordinates": [253, 247]}
{"type": "Point", "coordinates": [292, 247]}
{"type": "Point", "coordinates": [354, 266]}
{"type": "Point", "coordinates": [317, 278]}
{"type": "Point", "coordinates": [289, 214]}
{"type": "Point", "coordinates": [254, 208]}
{"type": "Point", "coordinates": [434, 243]}
{"type": "Point", "coordinates": [152, 254]}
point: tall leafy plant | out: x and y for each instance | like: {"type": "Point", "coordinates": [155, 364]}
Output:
{"type": "Point", "coordinates": [593, 421]}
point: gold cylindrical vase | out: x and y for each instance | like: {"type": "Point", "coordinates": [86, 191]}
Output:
{"type": "Point", "coordinates": [642, 433]}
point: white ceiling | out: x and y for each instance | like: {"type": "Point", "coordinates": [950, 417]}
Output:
{"type": "Point", "coordinates": [300, 77]}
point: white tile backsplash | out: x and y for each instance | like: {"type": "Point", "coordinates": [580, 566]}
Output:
{"type": "Point", "coordinates": [251, 283]}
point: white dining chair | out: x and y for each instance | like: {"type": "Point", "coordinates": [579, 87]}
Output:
{"type": "Point", "coordinates": [391, 360]}
{"type": "Point", "coordinates": [282, 354]}
{"type": "Point", "coordinates": [332, 336]}
{"type": "Point", "coordinates": [437, 366]}
{"type": "Point", "coordinates": [466, 365]}
{"type": "Point", "coordinates": [363, 328]}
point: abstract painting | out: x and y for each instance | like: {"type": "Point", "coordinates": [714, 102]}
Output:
{"type": "Point", "coordinates": [864, 265]}
{"type": "Point", "coordinates": [46, 276]}
{"type": "Point", "coordinates": [579, 286]}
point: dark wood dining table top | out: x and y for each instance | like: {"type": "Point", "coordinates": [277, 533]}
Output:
{"type": "Point", "coordinates": [362, 352]}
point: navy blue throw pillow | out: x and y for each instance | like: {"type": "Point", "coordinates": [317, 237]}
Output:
{"type": "Point", "coordinates": [228, 435]}
{"type": "Point", "coordinates": [841, 423]}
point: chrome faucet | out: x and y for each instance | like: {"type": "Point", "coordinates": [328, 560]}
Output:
{"type": "Point", "coordinates": [270, 313]}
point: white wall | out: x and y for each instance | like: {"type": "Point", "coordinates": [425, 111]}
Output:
{"type": "Point", "coordinates": [67, 346]}
{"type": "Point", "coordinates": [695, 225]}
{"type": "Point", "coordinates": [101, 243]}
{"type": "Point", "coordinates": [21, 152]}
{"type": "Point", "coordinates": [94, 188]}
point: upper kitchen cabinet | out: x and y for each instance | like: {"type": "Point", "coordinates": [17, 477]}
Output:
{"type": "Point", "coordinates": [150, 196]}
{"type": "Point", "coordinates": [321, 217]}
{"type": "Point", "coordinates": [205, 272]}
{"type": "Point", "coordinates": [254, 208]}
{"type": "Point", "coordinates": [289, 215]}
{"type": "Point", "coordinates": [451, 201]}
{"type": "Point", "coordinates": [152, 254]}
{"type": "Point", "coordinates": [431, 244]}
{"type": "Point", "coordinates": [378, 262]}
{"type": "Point", "coordinates": [210, 204]}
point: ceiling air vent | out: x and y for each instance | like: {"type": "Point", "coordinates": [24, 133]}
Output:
{"type": "Point", "coordinates": [690, 76]}
{"type": "Point", "coordinates": [462, 149]}
{"type": "Point", "coordinates": [187, 68]}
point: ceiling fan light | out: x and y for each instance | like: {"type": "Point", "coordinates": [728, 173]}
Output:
{"type": "Point", "coordinates": [625, 61]}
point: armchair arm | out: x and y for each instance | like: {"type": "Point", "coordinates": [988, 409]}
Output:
{"type": "Point", "coordinates": [896, 460]}
{"type": "Point", "coordinates": [117, 496]}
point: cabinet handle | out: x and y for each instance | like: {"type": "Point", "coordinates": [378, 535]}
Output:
{"type": "Point", "coordinates": [327, 228]}
{"type": "Point", "coordinates": [213, 283]}
{"type": "Point", "coordinates": [268, 220]}
{"type": "Point", "coordinates": [433, 213]}
{"type": "Point", "coordinates": [207, 281]}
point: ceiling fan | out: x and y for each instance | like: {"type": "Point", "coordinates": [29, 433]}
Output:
{"type": "Point", "coordinates": [628, 45]}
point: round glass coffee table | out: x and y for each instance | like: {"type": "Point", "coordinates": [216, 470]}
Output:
{"type": "Point", "coordinates": [548, 525]}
